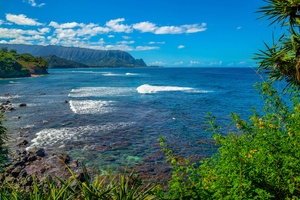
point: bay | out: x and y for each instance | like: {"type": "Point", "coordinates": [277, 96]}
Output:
{"type": "Point", "coordinates": [113, 117]}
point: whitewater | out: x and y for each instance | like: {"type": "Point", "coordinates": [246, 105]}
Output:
{"type": "Point", "coordinates": [113, 117]}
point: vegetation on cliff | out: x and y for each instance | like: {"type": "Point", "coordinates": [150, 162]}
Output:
{"type": "Point", "coordinates": [14, 65]}
{"type": "Point", "coordinates": [57, 62]}
{"type": "Point", "coordinates": [89, 57]}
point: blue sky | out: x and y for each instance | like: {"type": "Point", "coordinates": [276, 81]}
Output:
{"type": "Point", "coordinates": [190, 33]}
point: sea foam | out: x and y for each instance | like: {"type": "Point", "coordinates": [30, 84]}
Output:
{"type": "Point", "coordinates": [63, 136]}
{"type": "Point", "coordinates": [147, 89]}
{"type": "Point", "coordinates": [100, 91]}
{"type": "Point", "coordinates": [131, 74]}
{"type": "Point", "coordinates": [91, 106]}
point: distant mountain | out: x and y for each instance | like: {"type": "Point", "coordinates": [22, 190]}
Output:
{"type": "Point", "coordinates": [57, 62]}
{"type": "Point", "coordinates": [89, 57]}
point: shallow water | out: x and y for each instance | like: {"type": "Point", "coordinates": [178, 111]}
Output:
{"type": "Point", "coordinates": [114, 117]}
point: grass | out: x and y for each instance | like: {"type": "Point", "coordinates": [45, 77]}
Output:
{"type": "Point", "coordinates": [112, 187]}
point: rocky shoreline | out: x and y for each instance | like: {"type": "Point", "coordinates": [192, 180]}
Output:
{"type": "Point", "coordinates": [23, 165]}
{"type": "Point", "coordinates": [42, 164]}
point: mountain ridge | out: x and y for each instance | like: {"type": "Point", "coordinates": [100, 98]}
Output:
{"type": "Point", "coordinates": [89, 57]}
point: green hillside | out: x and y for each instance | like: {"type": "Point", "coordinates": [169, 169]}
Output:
{"type": "Point", "coordinates": [14, 65]}
{"type": "Point", "coordinates": [88, 57]}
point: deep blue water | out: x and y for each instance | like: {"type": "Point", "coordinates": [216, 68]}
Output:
{"type": "Point", "coordinates": [114, 117]}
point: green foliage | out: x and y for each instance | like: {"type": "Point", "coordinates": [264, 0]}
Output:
{"type": "Point", "coordinates": [186, 178]}
{"type": "Point", "coordinates": [3, 149]}
{"type": "Point", "coordinates": [113, 187]}
{"type": "Point", "coordinates": [4, 49]}
{"type": "Point", "coordinates": [260, 160]}
{"type": "Point", "coordinates": [13, 64]}
{"type": "Point", "coordinates": [282, 59]}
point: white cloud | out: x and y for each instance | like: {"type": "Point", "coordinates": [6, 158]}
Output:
{"type": "Point", "coordinates": [194, 62]}
{"type": "Point", "coordinates": [32, 3]}
{"type": "Point", "coordinates": [144, 48]}
{"type": "Point", "coordinates": [22, 20]}
{"type": "Point", "coordinates": [92, 30]}
{"type": "Point", "coordinates": [242, 63]}
{"type": "Point", "coordinates": [15, 33]}
{"type": "Point", "coordinates": [126, 37]}
{"type": "Point", "coordinates": [126, 42]}
{"type": "Point", "coordinates": [194, 28]}
{"type": "Point", "coordinates": [169, 30]}
{"type": "Point", "coordinates": [65, 33]}
{"type": "Point", "coordinates": [181, 47]}
{"type": "Point", "coordinates": [64, 25]}
{"type": "Point", "coordinates": [153, 28]}
{"type": "Point", "coordinates": [178, 63]}
{"type": "Point", "coordinates": [215, 63]}
{"type": "Point", "coordinates": [158, 63]}
{"type": "Point", "coordinates": [145, 27]}
{"type": "Point", "coordinates": [76, 34]}
{"type": "Point", "coordinates": [3, 42]}
{"type": "Point", "coordinates": [116, 26]}
{"type": "Point", "coordinates": [157, 42]}
{"type": "Point", "coordinates": [239, 28]}
{"type": "Point", "coordinates": [77, 30]}
{"type": "Point", "coordinates": [44, 30]}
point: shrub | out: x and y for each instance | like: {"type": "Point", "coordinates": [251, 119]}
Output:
{"type": "Point", "coordinates": [3, 149]}
{"type": "Point", "coordinates": [260, 160]}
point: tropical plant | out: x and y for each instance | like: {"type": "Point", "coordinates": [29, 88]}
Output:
{"type": "Point", "coordinates": [282, 59]}
{"type": "Point", "coordinates": [3, 149]}
{"type": "Point", "coordinates": [260, 159]}
{"type": "Point", "coordinates": [83, 187]}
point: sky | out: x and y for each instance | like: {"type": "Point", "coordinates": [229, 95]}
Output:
{"type": "Point", "coordinates": [170, 33]}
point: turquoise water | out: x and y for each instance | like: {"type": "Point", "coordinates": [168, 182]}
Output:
{"type": "Point", "coordinates": [114, 117]}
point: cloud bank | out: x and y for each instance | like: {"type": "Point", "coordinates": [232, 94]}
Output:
{"type": "Point", "coordinates": [25, 30]}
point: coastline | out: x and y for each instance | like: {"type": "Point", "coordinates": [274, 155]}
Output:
{"type": "Point", "coordinates": [37, 162]}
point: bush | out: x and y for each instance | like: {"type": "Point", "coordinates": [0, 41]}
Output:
{"type": "Point", "coordinates": [261, 160]}
{"type": "Point", "coordinates": [3, 149]}
{"type": "Point", "coordinates": [113, 187]}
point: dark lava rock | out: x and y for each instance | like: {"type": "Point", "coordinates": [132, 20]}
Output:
{"type": "Point", "coordinates": [40, 152]}
{"type": "Point", "coordinates": [19, 163]}
{"type": "Point", "coordinates": [23, 105]}
{"type": "Point", "coordinates": [32, 158]}
{"type": "Point", "coordinates": [65, 158]}
{"type": "Point", "coordinates": [15, 172]}
{"type": "Point", "coordinates": [23, 143]}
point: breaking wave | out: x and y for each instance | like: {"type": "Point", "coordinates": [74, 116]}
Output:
{"type": "Point", "coordinates": [147, 89]}
{"type": "Point", "coordinates": [57, 137]}
{"type": "Point", "coordinates": [91, 106]}
{"type": "Point", "coordinates": [100, 91]}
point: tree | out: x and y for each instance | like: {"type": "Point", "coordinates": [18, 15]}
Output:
{"type": "Point", "coordinates": [282, 60]}
{"type": "Point", "coordinates": [13, 51]}
{"type": "Point", "coordinates": [4, 49]}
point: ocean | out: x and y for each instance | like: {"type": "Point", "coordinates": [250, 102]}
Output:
{"type": "Point", "coordinates": [109, 118]}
